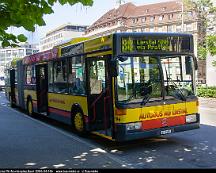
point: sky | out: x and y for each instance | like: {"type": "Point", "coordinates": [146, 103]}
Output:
{"type": "Point", "coordinates": [76, 14]}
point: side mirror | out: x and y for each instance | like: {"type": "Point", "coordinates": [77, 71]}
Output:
{"type": "Point", "coordinates": [123, 58]}
{"type": "Point", "coordinates": [114, 68]}
{"type": "Point", "coordinates": [188, 64]}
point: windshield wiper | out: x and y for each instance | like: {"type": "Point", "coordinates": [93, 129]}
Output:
{"type": "Point", "coordinates": [170, 80]}
{"type": "Point", "coordinates": [145, 100]}
{"type": "Point", "coordinates": [183, 97]}
{"type": "Point", "coordinates": [147, 96]}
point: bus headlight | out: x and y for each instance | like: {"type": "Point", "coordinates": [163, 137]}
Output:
{"type": "Point", "coordinates": [191, 118]}
{"type": "Point", "coordinates": [133, 126]}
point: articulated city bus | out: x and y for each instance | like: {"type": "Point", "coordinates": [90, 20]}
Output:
{"type": "Point", "coordinates": [122, 86]}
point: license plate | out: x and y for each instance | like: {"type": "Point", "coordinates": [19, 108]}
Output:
{"type": "Point", "coordinates": [164, 132]}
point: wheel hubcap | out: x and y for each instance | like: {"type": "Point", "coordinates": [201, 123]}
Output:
{"type": "Point", "coordinates": [78, 121]}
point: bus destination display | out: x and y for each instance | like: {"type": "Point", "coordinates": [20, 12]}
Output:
{"type": "Point", "coordinates": [154, 44]}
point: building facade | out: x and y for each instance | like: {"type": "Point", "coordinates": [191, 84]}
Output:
{"type": "Point", "coordinates": [61, 34]}
{"type": "Point", "coordinates": [7, 54]}
{"type": "Point", "coordinates": [211, 69]}
{"type": "Point", "coordinates": [171, 16]}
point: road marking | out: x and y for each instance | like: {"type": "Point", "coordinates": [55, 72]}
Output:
{"type": "Point", "coordinates": [121, 162]}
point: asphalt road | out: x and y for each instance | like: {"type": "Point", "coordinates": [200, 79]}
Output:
{"type": "Point", "coordinates": [38, 142]}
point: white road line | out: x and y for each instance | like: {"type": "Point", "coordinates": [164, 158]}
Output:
{"type": "Point", "coordinates": [73, 137]}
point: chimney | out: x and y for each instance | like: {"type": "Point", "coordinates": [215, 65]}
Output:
{"type": "Point", "coordinates": [118, 3]}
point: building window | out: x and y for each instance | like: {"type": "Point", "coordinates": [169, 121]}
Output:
{"type": "Point", "coordinates": [143, 19]}
{"type": "Point", "coordinates": [178, 28]}
{"type": "Point", "coordinates": [8, 53]}
{"type": "Point", "coordinates": [169, 28]}
{"type": "Point", "coordinates": [160, 29]}
{"type": "Point", "coordinates": [15, 53]}
{"type": "Point", "coordinates": [161, 17]}
{"type": "Point", "coordinates": [135, 20]}
{"type": "Point", "coordinates": [179, 16]}
{"type": "Point", "coordinates": [189, 27]}
{"type": "Point", "coordinates": [170, 16]}
{"type": "Point", "coordinates": [142, 29]}
{"type": "Point", "coordinates": [190, 14]}
{"type": "Point", "coordinates": [134, 30]}
{"type": "Point", "coordinates": [152, 18]}
{"type": "Point", "coordinates": [151, 29]}
{"type": "Point", "coordinates": [28, 51]}
{"type": "Point", "coordinates": [21, 52]}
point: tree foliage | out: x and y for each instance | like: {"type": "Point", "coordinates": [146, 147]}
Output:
{"type": "Point", "coordinates": [27, 14]}
{"type": "Point", "coordinates": [211, 47]}
{"type": "Point", "coordinates": [211, 44]}
{"type": "Point", "coordinates": [202, 52]}
{"type": "Point", "coordinates": [204, 9]}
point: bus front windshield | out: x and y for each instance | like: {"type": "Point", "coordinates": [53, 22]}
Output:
{"type": "Point", "coordinates": [149, 78]}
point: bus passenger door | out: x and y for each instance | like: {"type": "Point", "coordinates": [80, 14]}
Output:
{"type": "Point", "coordinates": [42, 88]}
{"type": "Point", "coordinates": [99, 95]}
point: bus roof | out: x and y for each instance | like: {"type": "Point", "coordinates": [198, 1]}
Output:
{"type": "Point", "coordinates": [91, 44]}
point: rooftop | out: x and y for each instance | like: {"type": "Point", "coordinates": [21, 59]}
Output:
{"type": "Point", "coordinates": [62, 27]}
{"type": "Point", "coordinates": [129, 10]}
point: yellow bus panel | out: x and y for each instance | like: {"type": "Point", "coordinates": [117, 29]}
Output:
{"type": "Point", "coordinates": [65, 102]}
{"type": "Point", "coordinates": [155, 112]}
{"type": "Point", "coordinates": [31, 93]}
{"type": "Point", "coordinates": [98, 44]}
{"type": "Point", "coordinates": [100, 54]}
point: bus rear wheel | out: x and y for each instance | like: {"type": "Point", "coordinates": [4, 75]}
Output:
{"type": "Point", "coordinates": [29, 107]}
{"type": "Point", "coordinates": [79, 123]}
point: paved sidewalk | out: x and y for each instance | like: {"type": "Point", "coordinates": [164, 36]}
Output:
{"type": "Point", "coordinates": [207, 102]}
{"type": "Point", "coordinates": [29, 143]}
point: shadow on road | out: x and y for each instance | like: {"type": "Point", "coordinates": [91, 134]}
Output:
{"type": "Point", "coordinates": [179, 150]}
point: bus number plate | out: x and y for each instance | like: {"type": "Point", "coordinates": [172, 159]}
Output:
{"type": "Point", "coordinates": [164, 132]}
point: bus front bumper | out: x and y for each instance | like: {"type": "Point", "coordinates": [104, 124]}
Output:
{"type": "Point", "coordinates": [124, 135]}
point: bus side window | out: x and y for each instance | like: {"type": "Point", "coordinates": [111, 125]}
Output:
{"type": "Point", "coordinates": [60, 77]}
{"type": "Point", "coordinates": [30, 75]}
{"type": "Point", "coordinates": [97, 76]}
{"type": "Point", "coordinates": [50, 76]}
{"type": "Point", "coordinates": [76, 77]}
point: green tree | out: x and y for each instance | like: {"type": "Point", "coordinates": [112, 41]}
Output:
{"type": "Point", "coordinates": [204, 9]}
{"type": "Point", "coordinates": [27, 14]}
{"type": "Point", "coordinates": [211, 46]}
